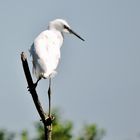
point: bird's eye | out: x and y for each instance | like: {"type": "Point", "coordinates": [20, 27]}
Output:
{"type": "Point", "coordinates": [65, 27]}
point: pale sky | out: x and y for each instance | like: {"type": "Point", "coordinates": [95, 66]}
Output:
{"type": "Point", "coordinates": [98, 80]}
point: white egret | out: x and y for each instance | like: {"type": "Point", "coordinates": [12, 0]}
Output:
{"type": "Point", "coordinates": [45, 50]}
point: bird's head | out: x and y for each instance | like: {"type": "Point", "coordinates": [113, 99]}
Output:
{"type": "Point", "coordinates": [62, 26]}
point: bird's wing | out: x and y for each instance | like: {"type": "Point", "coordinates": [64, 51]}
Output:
{"type": "Point", "coordinates": [45, 52]}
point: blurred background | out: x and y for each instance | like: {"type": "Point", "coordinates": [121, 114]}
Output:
{"type": "Point", "coordinates": [98, 80]}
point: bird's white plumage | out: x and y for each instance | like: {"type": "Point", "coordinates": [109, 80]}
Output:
{"type": "Point", "coordinates": [45, 50]}
{"type": "Point", "coordinates": [46, 53]}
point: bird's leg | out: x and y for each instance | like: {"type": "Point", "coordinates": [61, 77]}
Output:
{"type": "Point", "coordinates": [34, 84]}
{"type": "Point", "coordinates": [49, 96]}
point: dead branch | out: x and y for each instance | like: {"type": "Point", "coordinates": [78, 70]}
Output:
{"type": "Point", "coordinates": [47, 121]}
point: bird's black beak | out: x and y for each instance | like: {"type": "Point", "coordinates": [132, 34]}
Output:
{"type": "Point", "coordinates": [72, 32]}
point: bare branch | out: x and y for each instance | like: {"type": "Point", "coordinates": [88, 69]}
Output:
{"type": "Point", "coordinates": [47, 121]}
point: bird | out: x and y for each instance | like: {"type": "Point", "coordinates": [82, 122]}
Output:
{"type": "Point", "coordinates": [45, 51]}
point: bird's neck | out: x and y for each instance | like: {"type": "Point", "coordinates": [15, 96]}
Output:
{"type": "Point", "coordinates": [59, 35]}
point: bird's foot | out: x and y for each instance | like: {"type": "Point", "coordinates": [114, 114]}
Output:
{"type": "Point", "coordinates": [49, 120]}
{"type": "Point", "coordinates": [33, 87]}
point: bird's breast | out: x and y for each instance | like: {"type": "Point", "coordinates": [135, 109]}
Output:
{"type": "Point", "coordinates": [52, 37]}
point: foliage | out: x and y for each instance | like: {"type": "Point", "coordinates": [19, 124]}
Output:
{"type": "Point", "coordinates": [24, 135]}
{"type": "Point", "coordinates": [91, 132]}
{"type": "Point", "coordinates": [62, 130]}
{"type": "Point", "coordinates": [5, 135]}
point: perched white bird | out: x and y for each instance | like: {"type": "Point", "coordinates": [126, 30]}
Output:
{"type": "Point", "coordinates": [45, 50]}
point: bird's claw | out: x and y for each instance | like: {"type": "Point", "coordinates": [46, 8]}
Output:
{"type": "Point", "coordinates": [49, 120]}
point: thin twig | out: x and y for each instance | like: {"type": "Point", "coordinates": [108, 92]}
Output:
{"type": "Point", "coordinates": [47, 121]}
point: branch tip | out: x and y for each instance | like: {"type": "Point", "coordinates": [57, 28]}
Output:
{"type": "Point", "coordinates": [23, 56]}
